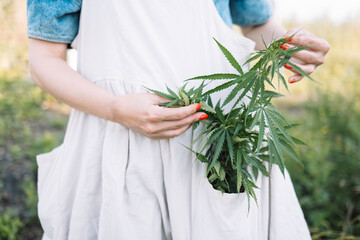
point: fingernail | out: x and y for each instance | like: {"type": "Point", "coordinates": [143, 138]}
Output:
{"type": "Point", "coordinates": [288, 66]}
{"type": "Point", "coordinates": [292, 80]}
{"type": "Point", "coordinates": [285, 47]}
{"type": "Point", "coordinates": [198, 107]}
{"type": "Point", "coordinates": [204, 116]}
{"type": "Point", "coordinates": [282, 46]}
{"type": "Point", "coordinates": [286, 39]}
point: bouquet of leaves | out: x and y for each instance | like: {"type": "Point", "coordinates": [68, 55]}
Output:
{"type": "Point", "coordinates": [235, 144]}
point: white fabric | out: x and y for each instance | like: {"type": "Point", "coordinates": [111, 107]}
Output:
{"type": "Point", "coordinates": [108, 182]}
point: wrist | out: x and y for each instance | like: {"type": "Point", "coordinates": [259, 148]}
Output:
{"type": "Point", "coordinates": [114, 108]}
{"type": "Point", "coordinates": [110, 109]}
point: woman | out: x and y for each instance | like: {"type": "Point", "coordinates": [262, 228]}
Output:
{"type": "Point", "coordinates": [121, 172]}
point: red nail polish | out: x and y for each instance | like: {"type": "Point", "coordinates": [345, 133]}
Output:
{"type": "Point", "coordinates": [198, 107]}
{"type": "Point", "coordinates": [292, 80]}
{"type": "Point", "coordinates": [288, 66]}
{"type": "Point", "coordinates": [285, 47]}
{"type": "Point", "coordinates": [286, 39]}
{"type": "Point", "coordinates": [282, 46]}
{"type": "Point", "coordinates": [204, 116]}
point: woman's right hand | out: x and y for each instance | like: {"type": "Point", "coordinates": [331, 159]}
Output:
{"type": "Point", "coordinates": [140, 112]}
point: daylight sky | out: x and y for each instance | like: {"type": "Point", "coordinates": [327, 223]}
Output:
{"type": "Point", "coordinates": [337, 11]}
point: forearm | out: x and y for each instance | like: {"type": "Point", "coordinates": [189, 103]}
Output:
{"type": "Point", "coordinates": [50, 72]}
{"type": "Point", "coordinates": [269, 30]}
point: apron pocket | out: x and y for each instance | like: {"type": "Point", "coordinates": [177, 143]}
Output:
{"type": "Point", "coordinates": [48, 182]}
{"type": "Point", "coordinates": [45, 161]}
{"type": "Point", "coordinates": [223, 215]}
{"type": "Point", "coordinates": [224, 198]}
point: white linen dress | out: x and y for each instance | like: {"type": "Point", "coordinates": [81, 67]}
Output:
{"type": "Point", "coordinates": [108, 182]}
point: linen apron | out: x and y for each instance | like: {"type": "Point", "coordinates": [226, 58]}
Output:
{"type": "Point", "coordinates": [108, 182]}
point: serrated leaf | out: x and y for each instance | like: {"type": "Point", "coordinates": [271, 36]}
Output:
{"type": "Point", "coordinates": [239, 126]}
{"type": "Point", "coordinates": [276, 114]}
{"type": "Point", "coordinates": [233, 113]}
{"type": "Point", "coordinates": [261, 131]}
{"type": "Point", "coordinates": [239, 139]}
{"type": "Point", "coordinates": [213, 177]}
{"type": "Point", "coordinates": [263, 157]}
{"type": "Point", "coordinates": [217, 167]}
{"type": "Point", "coordinates": [254, 96]}
{"type": "Point", "coordinates": [248, 193]}
{"type": "Point", "coordinates": [238, 169]}
{"type": "Point", "coordinates": [164, 95]}
{"type": "Point", "coordinates": [281, 77]}
{"type": "Point", "coordinates": [272, 94]}
{"type": "Point", "coordinates": [292, 125]}
{"type": "Point", "coordinates": [246, 173]}
{"type": "Point", "coordinates": [194, 126]}
{"type": "Point", "coordinates": [279, 126]}
{"type": "Point", "coordinates": [263, 41]}
{"type": "Point", "coordinates": [206, 141]}
{"type": "Point", "coordinates": [255, 172]}
{"type": "Point", "coordinates": [199, 135]}
{"type": "Point", "coordinates": [220, 88]}
{"type": "Point", "coordinates": [301, 71]}
{"type": "Point", "coordinates": [256, 163]}
{"type": "Point", "coordinates": [219, 147]}
{"type": "Point", "coordinates": [219, 113]}
{"type": "Point", "coordinates": [255, 120]}
{"type": "Point", "coordinates": [206, 107]}
{"type": "Point", "coordinates": [183, 96]}
{"type": "Point", "coordinates": [253, 57]}
{"type": "Point", "coordinates": [275, 157]}
{"type": "Point", "coordinates": [172, 93]}
{"type": "Point", "coordinates": [274, 136]}
{"type": "Point", "coordinates": [222, 174]}
{"type": "Point", "coordinates": [290, 151]}
{"type": "Point", "coordinates": [246, 157]}
{"type": "Point", "coordinates": [230, 58]}
{"type": "Point", "coordinates": [298, 141]}
{"type": "Point", "coordinates": [230, 147]}
{"type": "Point", "coordinates": [252, 192]}
{"type": "Point", "coordinates": [199, 156]}
{"type": "Point", "coordinates": [216, 76]}
{"type": "Point", "coordinates": [245, 86]}
{"type": "Point", "coordinates": [215, 136]}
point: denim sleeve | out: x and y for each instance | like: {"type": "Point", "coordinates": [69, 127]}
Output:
{"type": "Point", "coordinates": [53, 20]}
{"type": "Point", "coordinates": [250, 12]}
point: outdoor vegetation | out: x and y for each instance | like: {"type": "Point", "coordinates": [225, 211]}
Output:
{"type": "Point", "coordinates": [327, 185]}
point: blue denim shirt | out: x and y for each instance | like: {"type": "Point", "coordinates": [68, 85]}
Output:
{"type": "Point", "coordinates": [58, 20]}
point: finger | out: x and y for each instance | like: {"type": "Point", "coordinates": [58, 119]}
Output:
{"type": "Point", "coordinates": [309, 57]}
{"type": "Point", "coordinates": [175, 124]}
{"type": "Point", "coordinates": [307, 68]}
{"type": "Point", "coordinates": [307, 39]}
{"type": "Point", "coordinates": [299, 31]}
{"type": "Point", "coordinates": [161, 126]}
{"type": "Point", "coordinates": [177, 113]}
{"type": "Point", "coordinates": [169, 133]}
{"type": "Point", "coordinates": [295, 78]}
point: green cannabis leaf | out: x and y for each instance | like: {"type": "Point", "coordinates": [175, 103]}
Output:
{"type": "Point", "coordinates": [236, 144]}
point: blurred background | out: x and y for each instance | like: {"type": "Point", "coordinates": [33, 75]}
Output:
{"type": "Point", "coordinates": [328, 185]}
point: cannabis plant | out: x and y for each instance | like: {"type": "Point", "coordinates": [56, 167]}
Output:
{"type": "Point", "coordinates": [235, 144]}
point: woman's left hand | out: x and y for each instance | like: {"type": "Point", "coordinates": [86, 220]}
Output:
{"type": "Point", "coordinates": [308, 60]}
